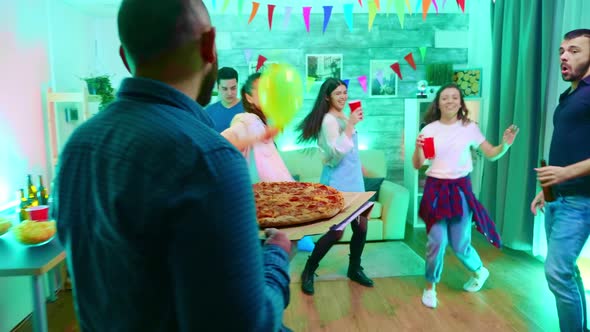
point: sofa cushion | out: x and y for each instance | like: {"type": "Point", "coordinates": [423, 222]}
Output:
{"type": "Point", "coordinates": [373, 184]}
{"type": "Point", "coordinates": [376, 212]}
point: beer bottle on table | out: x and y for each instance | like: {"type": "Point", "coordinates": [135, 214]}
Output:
{"type": "Point", "coordinates": [24, 204]}
{"type": "Point", "coordinates": [547, 191]}
{"type": "Point", "coordinates": [43, 195]}
{"type": "Point", "coordinates": [32, 192]}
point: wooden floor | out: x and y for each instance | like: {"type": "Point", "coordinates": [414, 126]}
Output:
{"type": "Point", "coordinates": [515, 298]}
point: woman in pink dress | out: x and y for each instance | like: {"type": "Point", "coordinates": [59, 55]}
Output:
{"type": "Point", "coordinates": [250, 133]}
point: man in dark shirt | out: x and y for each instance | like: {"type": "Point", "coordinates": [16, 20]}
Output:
{"type": "Point", "coordinates": [155, 208]}
{"type": "Point", "coordinates": [229, 105]}
{"type": "Point", "coordinates": [567, 219]}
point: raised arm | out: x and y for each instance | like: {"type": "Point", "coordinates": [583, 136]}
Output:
{"type": "Point", "coordinates": [240, 133]}
{"type": "Point", "coordinates": [494, 153]}
{"type": "Point", "coordinates": [218, 268]}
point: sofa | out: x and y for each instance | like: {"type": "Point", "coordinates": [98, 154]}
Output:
{"type": "Point", "coordinates": [387, 220]}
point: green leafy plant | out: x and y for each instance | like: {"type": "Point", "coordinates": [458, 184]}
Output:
{"type": "Point", "coordinates": [438, 74]}
{"type": "Point", "coordinates": [101, 85]}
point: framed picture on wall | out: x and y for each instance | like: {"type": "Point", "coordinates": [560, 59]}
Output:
{"type": "Point", "coordinates": [469, 81]}
{"type": "Point", "coordinates": [252, 66]}
{"type": "Point", "coordinates": [382, 80]}
{"type": "Point", "coordinates": [322, 66]}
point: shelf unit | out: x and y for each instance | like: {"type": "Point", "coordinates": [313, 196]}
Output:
{"type": "Point", "coordinates": [83, 98]}
{"type": "Point", "coordinates": [413, 179]}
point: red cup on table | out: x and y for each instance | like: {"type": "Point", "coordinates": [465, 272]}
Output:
{"type": "Point", "coordinates": [354, 105]}
{"type": "Point", "coordinates": [39, 213]}
{"type": "Point", "coordinates": [428, 147]}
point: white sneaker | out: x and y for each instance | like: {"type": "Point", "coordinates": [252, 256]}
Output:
{"type": "Point", "coordinates": [429, 298]}
{"type": "Point", "coordinates": [476, 283]}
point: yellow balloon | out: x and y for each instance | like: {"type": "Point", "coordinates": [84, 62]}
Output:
{"type": "Point", "coordinates": [280, 91]}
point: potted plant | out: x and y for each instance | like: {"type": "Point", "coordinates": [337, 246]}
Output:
{"type": "Point", "coordinates": [101, 86]}
{"type": "Point", "coordinates": [437, 75]}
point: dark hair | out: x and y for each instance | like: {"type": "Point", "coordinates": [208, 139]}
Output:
{"type": "Point", "coordinates": [149, 29]}
{"type": "Point", "coordinates": [433, 112]}
{"type": "Point", "coordinates": [247, 89]}
{"type": "Point", "coordinates": [577, 33]}
{"type": "Point", "coordinates": [226, 73]}
{"type": "Point", "coordinates": [312, 124]}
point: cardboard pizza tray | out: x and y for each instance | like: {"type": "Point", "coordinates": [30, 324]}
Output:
{"type": "Point", "coordinates": [355, 204]}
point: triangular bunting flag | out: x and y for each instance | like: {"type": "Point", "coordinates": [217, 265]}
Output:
{"type": "Point", "coordinates": [444, 3]}
{"type": "Point", "coordinates": [410, 59]}
{"type": "Point", "coordinates": [461, 4]}
{"type": "Point", "coordinates": [255, 6]}
{"type": "Point", "coordinates": [260, 63]}
{"type": "Point", "coordinates": [379, 76]}
{"type": "Point", "coordinates": [395, 68]}
{"type": "Point", "coordinates": [361, 2]}
{"type": "Point", "coordinates": [435, 5]}
{"type": "Point", "coordinates": [401, 12]}
{"type": "Point", "coordinates": [423, 52]}
{"type": "Point", "coordinates": [271, 10]}
{"type": "Point", "coordinates": [288, 11]}
{"type": "Point", "coordinates": [225, 4]}
{"type": "Point", "coordinates": [346, 82]}
{"type": "Point", "coordinates": [309, 83]}
{"type": "Point", "coordinates": [425, 7]}
{"type": "Point", "coordinates": [327, 14]}
{"type": "Point", "coordinates": [248, 55]}
{"type": "Point", "coordinates": [348, 15]}
{"type": "Point", "coordinates": [306, 12]}
{"type": "Point", "coordinates": [372, 14]}
{"type": "Point", "coordinates": [378, 5]}
{"type": "Point", "coordinates": [213, 4]}
{"type": "Point", "coordinates": [363, 82]}
{"type": "Point", "coordinates": [409, 6]}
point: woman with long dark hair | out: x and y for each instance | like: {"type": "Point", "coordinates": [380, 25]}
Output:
{"type": "Point", "coordinates": [250, 133]}
{"type": "Point", "coordinates": [448, 204]}
{"type": "Point", "coordinates": [336, 137]}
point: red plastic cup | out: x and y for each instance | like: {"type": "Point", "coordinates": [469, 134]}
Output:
{"type": "Point", "coordinates": [354, 104]}
{"type": "Point", "coordinates": [39, 213]}
{"type": "Point", "coordinates": [428, 147]}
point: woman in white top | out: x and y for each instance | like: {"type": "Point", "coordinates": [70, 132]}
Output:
{"type": "Point", "coordinates": [250, 133]}
{"type": "Point", "coordinates": [448, 204]}
{"type": "Point", "coordinates": [336, 137]}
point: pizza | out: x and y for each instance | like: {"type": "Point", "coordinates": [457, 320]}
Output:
{"type": "Point", "coordinates": [282, 204]}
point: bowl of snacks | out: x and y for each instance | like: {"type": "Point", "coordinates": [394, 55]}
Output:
{"type": "Point", "coordinates": [5, 225]}
{"type": "Point", "coordinates": [34, 233]}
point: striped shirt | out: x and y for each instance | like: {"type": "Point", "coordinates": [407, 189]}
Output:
{"type": "Point", "coordinates": [156, 212]}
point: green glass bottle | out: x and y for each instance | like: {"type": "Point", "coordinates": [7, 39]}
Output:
{"type": "Point", "coordinates": [32, 192]}
{"type": "Point", "coordinates": [43, 195]}
{"type": "Point", "coordinates": [24, 204]}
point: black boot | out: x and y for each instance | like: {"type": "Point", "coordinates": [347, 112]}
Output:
{"type": "Point", "coordinates": [307, 277]}
{"type": "Point", "coordinates": [357, 244]}
{"type": "Point", "coordinates": [355, 273]}
{"type": "Point", "coordinates": [321, 249]}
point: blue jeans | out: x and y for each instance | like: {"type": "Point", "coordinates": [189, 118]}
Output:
{"type": "Point", "coordinates": [567, 224]}
{"type": "Point", "coordinates": [457, 232]}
